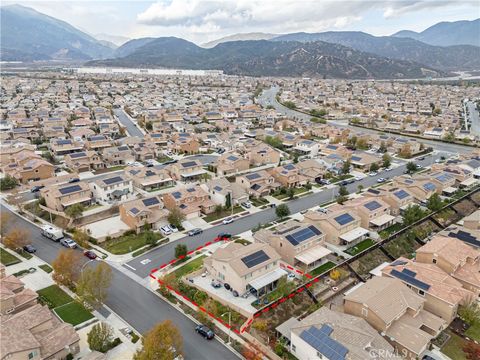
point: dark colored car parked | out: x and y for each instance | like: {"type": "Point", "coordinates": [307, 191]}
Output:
{"type": "Point", "coordinates": [205, 331]}
{"type": "Point", "coordinates": [90, 254]}
{"type": "Point", "coordinates": [30, 249]}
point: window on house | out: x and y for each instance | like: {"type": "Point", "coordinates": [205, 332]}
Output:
{"type": "Point", "coordinates": [421, 292]}
{"type": "Point", "coordinates": [294, 348]}
{"type": "Point", "coordinates": [364, 312]}
{"type": "Point", "coordinates": [434, 261]}
{"type": "Point", "coordinates": [32, 354]}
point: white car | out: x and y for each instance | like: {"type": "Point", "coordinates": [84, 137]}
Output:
{"type": "Point", "coordinates": [373, 173]}
{"type": "Point", "coordinates": [381, 180]}
{"type": "Point", "coordinates": [388, 169]}
{"type": "Point", "coordinates": [166, 230]}
{"type": "Point", "coordinates": [173, 228]}
{"type": "Point", "coordinates": [68, 243]}
{"type": "Point", "coordinates": [227, 220]}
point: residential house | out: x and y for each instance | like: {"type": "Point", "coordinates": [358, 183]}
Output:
{"type": "Point", "coordinates": [192, 201]}
{"type": "Point", "coordinates": [118, 155]}
{"type": "Point", "coordinates": [288, 176]}
{"type": "Point", "coordinates": [341, 226]}
{"type": "Point", "coordinates": [262, 154]}
{"type": "Point", "coordinates": [84, 161]}
{"type": "Point", "coordinates": [328, 334]}
{"type": "Point", "coordinates": [443, 294]}
{"type": "Point", "coordinates": [307, 147]}
{"type": "Point", "coordinates": [396, 311]}
{"type": "Point", "coordinates": [230, 163]}
{"type": "Point", "coordinates": [145, 151]}
{"type": "Point", "coordinates": [421, 189]}
{"type": "Point", "coordinates": [98, 142]}
{"type": "Point", "coordinates": [61, 147]}
{"type": "Point", "coordinates": [374, 213]}
{"type": "Point", "coordinates": [221, 189]}
{"type": "Point", "coordinates": [149, 178]}
{"type": "Point", "coordinates": [257, 184]}
{"type": "Point", "coordinates": [363, 160]}
{"type": "Point", "coordinates": [187, 170]}
{"type": "Point", "coordinates": [60, 197]}
{"type": "Point", "coordinates": [184, 143]}
{"type": "Point", "coordinates": [32, 169]}
{"type": "Point", "coordinates": [14, 297]}
{"type": "Point", "coordinates": [141, 212]}
{"type": "Point", "coordinates": [455, 257]}
{"type": "Point", "coordinates": [300, 245]}
{"type": "Point", "coordinates": [114, 188]}
{"type": "Point", "coordinates": [397, 198]}
{"type": "Point", "coordinates": [311, 169]}
{"type": "Point", "coordinates": [254, 268]}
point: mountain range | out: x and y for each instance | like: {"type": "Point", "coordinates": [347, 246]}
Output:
{"type": "Point", "coordinates": [27, 35]}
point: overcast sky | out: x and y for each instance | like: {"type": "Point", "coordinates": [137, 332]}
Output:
{"type": "Point", "coordinates": [201, 21]}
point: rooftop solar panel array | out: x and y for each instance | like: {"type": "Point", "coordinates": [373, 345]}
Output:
{"type": "Point", "coordinates": [64, 142]}
{"type": "Point", "coordinates": [289, 167]}
{"type": "Point", "coordinates": [232, 158]}
{"type": "Point", "coordinates": [466, 237]}
{"type": "Point", "coordinates": [254, 259]}
{"type": "Point", "coordinates": [373, 205]}
{"type": "Point", "coordinates": [408, 278]}
{"type": "Point", "coordinates": [252, 176]}
{"type": "Point", "coordinates": [113, 180]}
{"type": "Point", "coordinates": [344, 219]}
{"type": "Point", "coordinates": [356, 158]}
{"type": "Point", "coordinates": [77, 155]}
{"type": "Point", "coordinates": [70, 189]}
{"type": "Point", "coordinates": [190, 190]}
{"type": "Point", "coordinates": [189, 164]}
{"type": "Point", "coordinates": [150, 201]}
{"type": "Point", "coordinates": [217, 188]}
{"type": "Point", "coordinates": [177, 194]}
{"type": "Point", "coordinates": [429, 186]}
{"type": "Point", "coordinates": [302, 235]}
{"type": "Point", "coordinates": [401, 194]}
{"type": "Point", "coordinates": [134, 211]}
{"type": "Point", "coordinates": [321, 341]}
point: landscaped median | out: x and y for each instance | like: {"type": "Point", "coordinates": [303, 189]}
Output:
{"type": "Point", "coordinates": [64, 305]}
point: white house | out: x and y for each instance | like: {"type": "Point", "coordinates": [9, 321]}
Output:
{"type": "Point", "coordinates": [307, 147]}
{"type": "Point", "coordinates": [114, 188]}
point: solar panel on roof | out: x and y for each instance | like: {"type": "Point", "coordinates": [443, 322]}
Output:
{"type": "Point", "coordinates": [217, 188]}
{"type": "Point", "coordinates": [113, 180]}
{"type": "Point", "coordinates": [466, 237]}
{"type": "Point", "coordinates": [150, 201]}
{"type": "Point", "coordinates": [190, 190]}
{"type": "Point", "coordinates": [409, 181]}
{"type": "Point", "coordinates": [344, 219]}
{"type": "Point", "coordinates": [64, 142]}
{"type": "Point", "coordinates": [410, 279]}
{"type": "Point", "coordinates": [429, 186]}
{"type": "Point", "coordinates": [254, 259]}
{"type": "Point", "coordinates": [321, 341]}
{"type": "Point", "coordinates": [232, 158]}
{"type": "Point", "coordinates": [189, 164]}
{"type": "Point", "coordinates": [121, 148]}
{"type": "Point", "coordinates": [443, 178]}
{"type": "Point", "coordinates": [134, 211]}
{"type": "Point", "coordinates": [401, 194]}
{"type": "Point", "coordinates": [97, 137]}
{"type": "Point", "coordinates": [356, 158]}
{"type": "Point", "coordinates": [373, 205]}
{"type": "Point", "coordinates": [177, 195]}
{"type": "Point", "coordinates": [149, 173]}
{"type": "Point", "coordinates": [289, 167]}
{"type": "Point", "coordinates": [409, 272]}
{"type": "Point", "coordinates": [302, 235]}
{"type": "Point", "coordinates": [398, 262]}
{"type": "Point", "coordinates": [373, 191]}
{"type": "Point", "coordinates": [69, 189]}
{"type": "Point", "coordinates": [77, 155]}
{"type": "Point", "coordinates": [252, 176]}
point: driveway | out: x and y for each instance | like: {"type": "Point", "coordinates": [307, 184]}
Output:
{"type": "Point", "coordinates": [106, 227]}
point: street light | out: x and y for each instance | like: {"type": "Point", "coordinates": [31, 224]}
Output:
{"type": "Point", "coordinates": [229, 323]}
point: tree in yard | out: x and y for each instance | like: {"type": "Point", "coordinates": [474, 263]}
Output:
{"type": "Point", "coordinates": [67, 267]}
{"type": "Point", "coordinates": [228, 201]}
{"type": "Point", "coordinates": [150, 238]}
{"type": "Point", "coordinates": [412, 214]}
{"type": "Point", "coordinates": [435, 203]}
{"type": "Point", "coordinates": [470, 313]}
{"type": "Point", "coordinates": [387, 160]}
{"type": "Point", "coordinates": [180, 250]}
{"type": "Point", "coordinates": [4, 222]}
{"type": "Point", "coordinates": [175, 217]}
{"type": "Point", "coordinates": [100, 337]}
{"type": "Point", "coordinates": [471, 350]}
{"type": "Point", "coordinates": [93, 285]}
{"type": "Point", "coordinates": [342, 195]}
{"type": "Point", "coordinates": [374, 167]}
{"type": "Point", "coordinates": [163, 342]}
{"type": "Point", "coordinates": [16, 239]}
{"type": "Point", "coordinates": [252, 352]}
{"type": "Point", "coordinates": [411, 166]}
{"type": "Point", "coordinates": [75, 211]}
{"type": "Point", "coordinates": [218, 209]}
{"type": "Point", "coordinates": [81, 238]}
{"type": "Point", "coordinates": [282, 211]}
{"type": "Point", "coordinates": [346, 167]}
{"type": "Point", "coordinates": [290, 193]}
{"type": "Point", "coordinates": [7, 183]}
{"type": "Point", "coordinates": [383, 147]}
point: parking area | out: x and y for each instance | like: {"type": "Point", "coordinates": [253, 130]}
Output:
{"type": "Point", "coordinates": [205, 283]}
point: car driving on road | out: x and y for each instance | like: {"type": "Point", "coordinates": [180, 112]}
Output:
{"type": "Point", "coordinates": [194, 232]}
{"type": "Point", "coordinates": [205, 331]}
{"type": "Point", "coordinates": [68, 243]}
{"type": "Point", "coordinates": [30, 249]}
{"type": "Point", "coordinates": [90, 254]}
{"type": "Point", "coordinates": [227, 220]}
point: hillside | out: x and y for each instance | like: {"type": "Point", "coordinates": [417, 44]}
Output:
{"type": "Point", "coordinates": [239, 37]}
{"type": "Point", "coordinates": [29, 35]}
{"type": "Point", "coordinates": [269, 58]}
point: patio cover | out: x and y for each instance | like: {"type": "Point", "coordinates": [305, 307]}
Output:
{"type": "Point", "coordinates": [468, 182]}
{"type": "Point", "coordinates": [268, 278]}
{"type": "Point", "coordinates": [382, 220]}
{"type": "Point", "coordinates": [311, 255]}
{"type": "Point", "coordinates": [354, 234]}
{"type": "Point", "coordinates": [194, 173]}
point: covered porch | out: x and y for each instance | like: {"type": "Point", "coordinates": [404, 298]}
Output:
{"type": "Point", "coordinates": [266, 283]}
{"type": "Point", "coordinates": [382, 222]}
{"type": "Point", "coordinates": [354, 236]}
{"type": "Point", "coordinates": [312, 258]}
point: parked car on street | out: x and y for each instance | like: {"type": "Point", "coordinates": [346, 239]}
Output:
{"type": "Point", "coordinates": [30, 249]}
{"type": "Point", "coordinates": [74, 180]}
{"type": "Point", "coordinates": [90, 254]}
{"type": "Point", "coordinates": [246, 204]}
{"type": "Point", "coordinates": [373, 173]}
{"type": "Point", "coordinates": [227, 220]}
{"type": "Point", "coordinates": [195, 231]}
{"type": "Point", "coordinates": [224, 236]}
{"type": "Point", "coordinates": [68, 243]}
{"type": "Point", "coordinates": [205, 331]}
{"type": "Point", "coordinates": [381, 180]}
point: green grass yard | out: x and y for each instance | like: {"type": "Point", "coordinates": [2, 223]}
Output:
{"type": "Point", "coordinates": [224, 213]}
{"type": "Point", "coordinates": [127, 243]}
{"type": "Point", "coordinates": [8, 259]}
{"type": "Point", "coordinates": [53, 296]}
{"type": "Point", "coordinates": [297, 191]}
{"type": "Point", "coordinates": [473, 332]}
{"type": "Point", "coordinates": [189, 267]}
{"type": "Point", "coordinates": [363, 245]}
{"type": "Point", "coordinates": [391, 230]}
{"type": "Point", "coordinates": [46, 268]}
{"type": "Point", "coordinates": [321, 269]}
{"type": "Point", "coordinates": [73, 313]}
{"type": "Point", "coordinates": [453, 347]}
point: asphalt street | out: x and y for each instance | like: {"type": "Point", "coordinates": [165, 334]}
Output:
{"type": "Point", "coordinates": [268, 98]}
{"type": "Point", "coordinates": [474, 118]}
{"type": "Point", "coordinates": [154, 259]}
{"type": "Point", "coordinates": [132, 128]}
{"type": "Point", "coordinates": [133, 302]}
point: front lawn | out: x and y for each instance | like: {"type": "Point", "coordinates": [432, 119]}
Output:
{"type": "Point", "coordinates": [53, 296]}
{"type": "Point", "coordinates": [363, 245]}
{"type": "Point", "coordinates": [283, 195]}
{"type": "Point", "coordinates": [73, 313]}
{"type": "Point", "coordinates": [258, 202]}
{"type": "Point", "coordinates": [189, 267]}
{"type": "Point", "coordinates": [473, 332]}
{"type": "Point", "coordinates": [128, 242]}
{"type": "Point", "coordinates": [8, 259]}
{"type": "Point", "coordinates": [224, 213]}
{"type": "Point", "coordinates": [323, 268]}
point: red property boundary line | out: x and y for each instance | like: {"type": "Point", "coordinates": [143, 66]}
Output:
{"type": "Point", "coordinates": [257, 314]}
